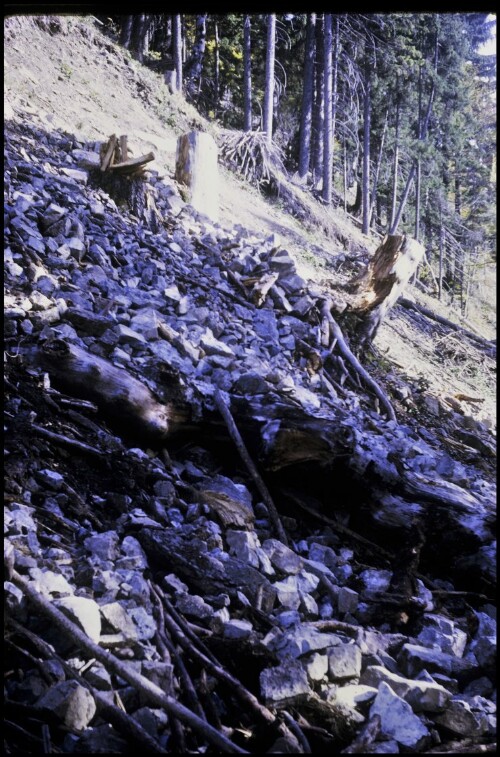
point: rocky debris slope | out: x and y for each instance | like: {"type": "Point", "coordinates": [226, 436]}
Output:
{"type": "Point", "coordinates": [148, 598]}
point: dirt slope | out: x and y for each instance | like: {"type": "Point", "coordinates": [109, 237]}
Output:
{"type": "Point", "coordinates": [65, 73]}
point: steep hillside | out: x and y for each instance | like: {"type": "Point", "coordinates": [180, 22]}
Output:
{"type": "Point", "coordinates": [222, 533]}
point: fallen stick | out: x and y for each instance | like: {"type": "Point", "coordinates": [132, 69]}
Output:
{"type": "Point", "coordinates": [354, 362]}
{"type": "Point", "coordinates": [240, 445]}
{"type": "Point", "coordinates": [65, 441]}
{"type": "Point", "coordinates": [123, 722]}
{"type": "Point", "coordinates": [151, 691]}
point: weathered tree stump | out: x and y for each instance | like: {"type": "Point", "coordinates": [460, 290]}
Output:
{"type": "Point", "coordinates": [382, 282]}
{"type": "Point", "coordinates": [122, 177]}
{"type": "Point", "coordinates": [196, 167]}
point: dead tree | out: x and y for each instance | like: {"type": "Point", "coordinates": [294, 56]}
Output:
{"type": "Point", "coordinates": [382, 282]}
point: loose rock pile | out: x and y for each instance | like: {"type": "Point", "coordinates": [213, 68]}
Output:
{"type": "Point", "coordinates": [148, 600]}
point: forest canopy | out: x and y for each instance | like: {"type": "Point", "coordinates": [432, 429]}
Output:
{"type": "Point", "coordinates": [392, 115]}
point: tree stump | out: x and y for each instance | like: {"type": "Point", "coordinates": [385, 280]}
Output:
{"type": "Point", "coordinates": [382, 282]}
{"type": "Point", "coordinates": [196, 167]}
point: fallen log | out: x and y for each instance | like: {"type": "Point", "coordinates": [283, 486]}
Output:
{"type": "Point", "coordinates": [123, 398]}
{"type": "Point", "coordinates": [310, 455]}
{"type": "Point", "coordinates": [485, 344]}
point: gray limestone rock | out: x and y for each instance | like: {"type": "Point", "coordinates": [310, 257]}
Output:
{"type": "Point", "coordinates": [344, 661]}
{"type": "Point", "coordinates": [84, 612]}
{"type": "Point", "coordinates": [284, 682]}
{"type": "Point", "coordinates": [421, 695]}
{"type": "Point", "coordinates": [398, 720]}
{"type": "Point", "coordinates": [71, 702]}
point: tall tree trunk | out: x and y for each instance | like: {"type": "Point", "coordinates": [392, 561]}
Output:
{"type": "Point", "coordinates": [177, 39]}
{"type": "Point", "coordinates": [366, 148]}
{"type": "Point", "coordinates": [126, 30]}
{"type": "Point", "coordinates": [317, 130]}
{"type": "Point", "coordinates": [345, 177]}
{"type": "Point", "coordinates": [377, 169]}
{"type": "Point", "coordinates": [417, 199]}
{"type": "Point", "coordinates": [269, 91]}
{"type": "Point", "coordinates": [194, 67]}
{"type": "Point", "coordinates": [327, 123]}
{"type": "Point", "coordinates": [307, 98]}
{"type": "Point", "coordinates": [247, 73]}
{"type": "Point", "coordinates": [458, 199]}
{"type": "Point", "coordinates": [336, 52]}
{"type": "Point", "coordinates": [423, 126]}
{"type": "Point", "coordinates": [395, 167]}
{"type": "Point", "coordinates": [217, 64]}
{"type": "Point", "coordinates": [441, 256]}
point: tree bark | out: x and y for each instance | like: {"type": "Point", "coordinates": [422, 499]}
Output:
{"type": "Point", "coordinates": [318, 111]}
{"type": "Point", "coordinates": [247, 73]}
{"type": "Point", "coordinates": [366, 148]}
{"type": "Point", "coordinates": [126, 30]}
{"type": "Point", "coordinates": [269, 90]}
{"type": "Point", "coordinates": [327, 118]}
{"type": "Point", "coordinates": [177, 40]}
{"type": "Point", "coordinates": [307, 98]}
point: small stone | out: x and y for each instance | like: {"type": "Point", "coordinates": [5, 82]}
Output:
{"type": "Point", "coordinates": [398, 719]}
{"type": "Point", "coordinates": [347, 600]}
{"type": "Point", "coordinates": [283, 682]}
{"type": "Point", "coordinates": [237, 629]}
{"type": "Point", "coordinates": [72, 702]}
{"type": "Point", "coordinates": [84, 612]}
{"type": "Point", "coordinates": [344, 661]}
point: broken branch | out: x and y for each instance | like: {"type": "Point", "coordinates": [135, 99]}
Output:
{"type": "Point", "coordinates": [240, 445]}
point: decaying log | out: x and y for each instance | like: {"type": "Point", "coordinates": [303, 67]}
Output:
{"type": "Point", "coordinates": [485, 344]}
{"type": "Point", "coordinates": [382, 282]}
{"type": "Point", "coordinates": [128, 166]}
{"type": "Point", "coordinates": [122, 397]}
{"type": "Point", "coordinates": [297, 447]}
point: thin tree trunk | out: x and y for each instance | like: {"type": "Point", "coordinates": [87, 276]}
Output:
{"type": "Point", "coordinates": [247, 73]}
{"type": "Point", "coordinates": [417, 200]}
{"type": "Point", "coordinates": [269, 91]}
{"type": "Point", "coordinates": [177, 39]}
{"type": "Point", "coordinates": [317, 153]}
{"type": "Point", "coordinates": [395, 168]}
{"type": "Point", "coordinates": [366, 149]}
{"type": "Point", "coordinates": [377, 168]}
{"type": "Point", "coordinates": [335, 85]}
{"type": "Point", "coordinates": [441, 256]}
{"type": "Point", "coordinates": [307, 98]}
{"type": "Point", "coordinates": [345, 177]}
{"type": "Point", "coordinates": [327, 119]}
{"type": "Point", "coordinates": [217, 64]}
{"type": "Point", "coordinates": [424, 125]}
{"type": "Point", "coordinates": [195, 65]}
